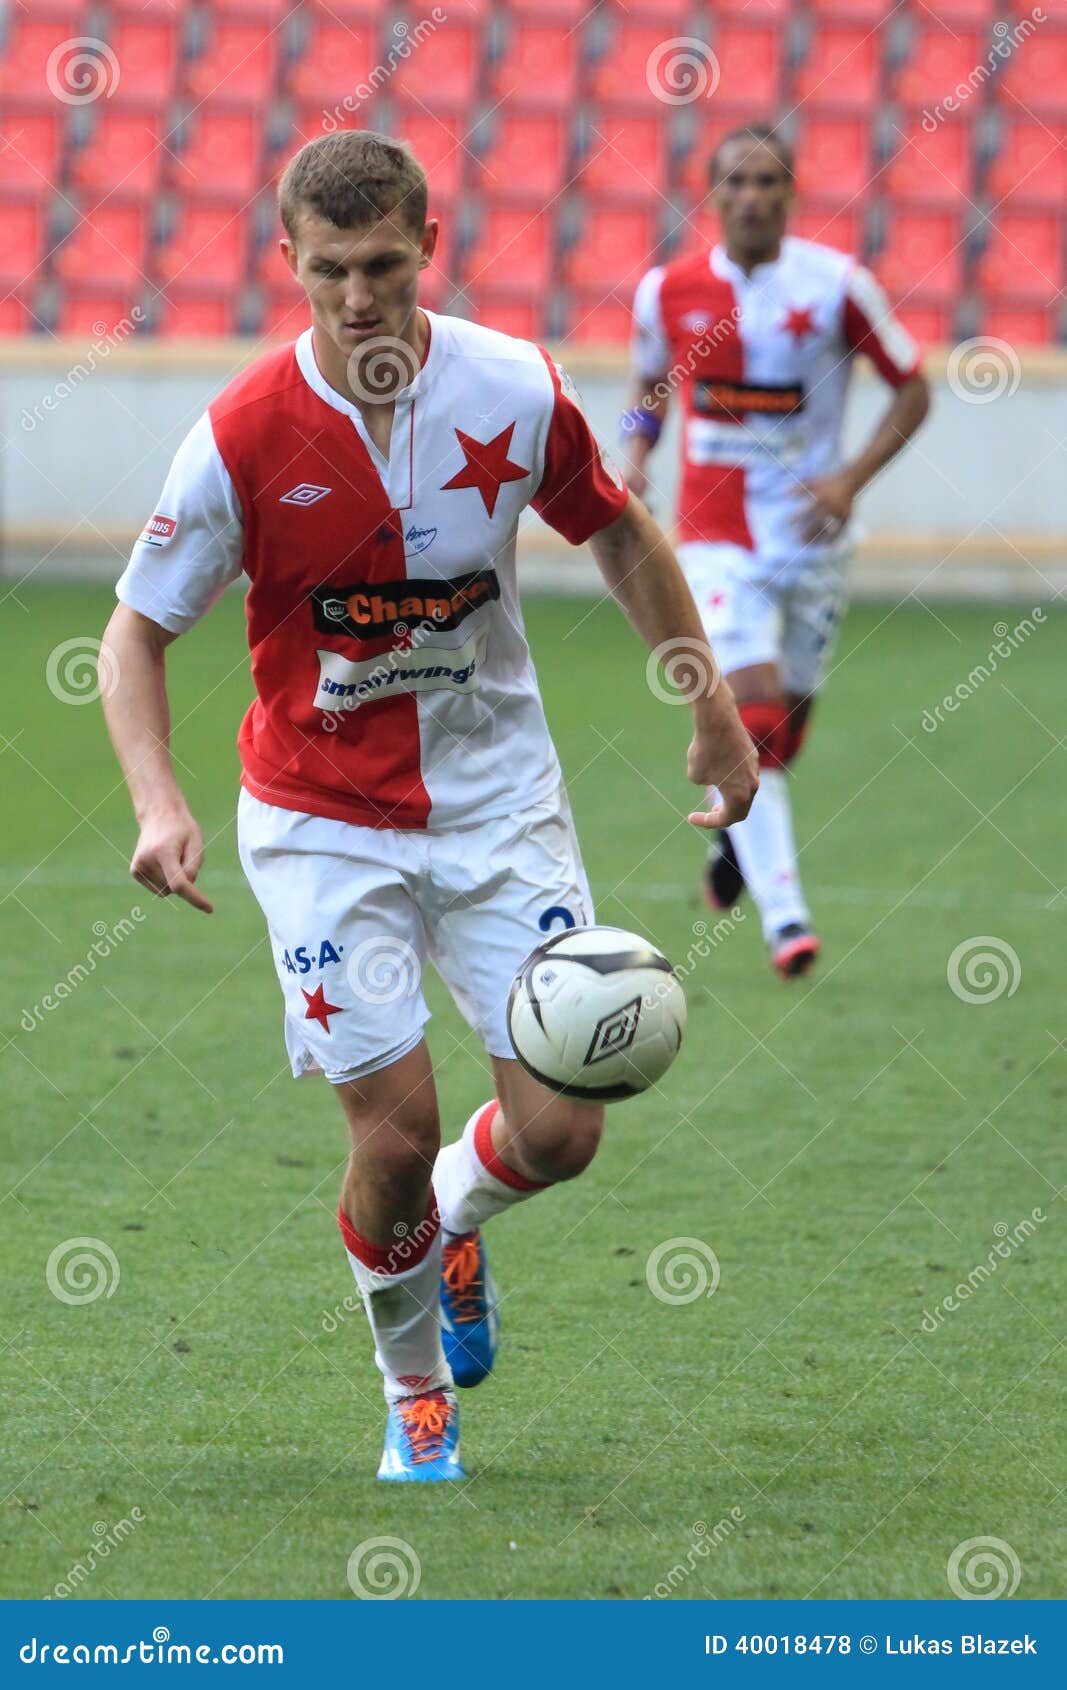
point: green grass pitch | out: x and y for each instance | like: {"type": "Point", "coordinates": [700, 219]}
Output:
{"type": "Point", "coordinates": [852, 1149]}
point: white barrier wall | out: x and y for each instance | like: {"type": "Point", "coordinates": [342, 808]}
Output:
{"type": "Point", "coordinates": [977, 506]}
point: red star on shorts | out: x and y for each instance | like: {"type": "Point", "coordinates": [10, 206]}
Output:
{"type": "Point", "coordinates": [799, 321]}
{"type": "Point", "coordinates": [318, 1009]}
{"type": "Point", "coordinates": [488, 465]}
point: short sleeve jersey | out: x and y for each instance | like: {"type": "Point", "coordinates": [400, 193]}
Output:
{"type": "Point", "coordinates": [393, 682]}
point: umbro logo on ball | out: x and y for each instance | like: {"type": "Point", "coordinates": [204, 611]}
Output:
{"type": "Point", "coordinates": [306, 494]}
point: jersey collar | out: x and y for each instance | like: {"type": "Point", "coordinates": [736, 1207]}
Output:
{"type": "Point", "coordinates": [723, 266]}
{"type": "Point", "coordinates": [309, 369]}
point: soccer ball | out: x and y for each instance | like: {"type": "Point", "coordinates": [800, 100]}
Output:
{"type": "Point", "coordinates": [596, 1013]}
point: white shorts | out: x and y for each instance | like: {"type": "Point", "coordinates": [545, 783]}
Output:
{"type": "Point", "coordinates": [756, 616]}
{"type": "Point", "coordinates": [354, 913]}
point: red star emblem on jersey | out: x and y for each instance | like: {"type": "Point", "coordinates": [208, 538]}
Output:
{"type": "Point", "coordinates": [318, 1009]}
{"type": "Point", "coordinates": [799, 322]}
{"type": "Point", "coordinates": [488, 465]}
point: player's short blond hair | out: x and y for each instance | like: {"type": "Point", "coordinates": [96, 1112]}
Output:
{"type": "Point", "coordinates": [352, 178]}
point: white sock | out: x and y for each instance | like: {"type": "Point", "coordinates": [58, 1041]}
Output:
{"type": "Point", "coordinates": [764, 846]}
{"type": "Point", "coordinates": [471, 1182]}
{"type": "Point", "coordinates": [401, 1288]}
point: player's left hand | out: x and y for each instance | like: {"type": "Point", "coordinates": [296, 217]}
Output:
{"type": "Point", "coordinates": [829, 500]}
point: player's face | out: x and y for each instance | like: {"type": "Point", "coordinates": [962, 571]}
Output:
{"type": "Point", "coordinates": [752, 194]}
{"type": "Point", "coordinates": [361, 283]}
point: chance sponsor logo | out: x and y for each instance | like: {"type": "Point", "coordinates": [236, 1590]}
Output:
{"type": "Point", "coordinates": [390, 609]}
{"type": "Point", "coordinates": [740, 399]}
{"type": "Point", "coordinates": [158, 530]}
{"type": "Point", "coordinates": [343, 685]}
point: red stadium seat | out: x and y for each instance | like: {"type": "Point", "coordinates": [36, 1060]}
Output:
{"type": "Point", "coordinates": [336, 64]}
{"type": "Point", "coordinates": [596, 321]}
{"type": "Point", "coordinates": [513, 249]}
{"type": "Point", "coordinates": [96, 312]}
{"type": "Point", "coordinates": [833, 157]}
{"type": "Point", "coordinates": [108, 246]}
{"type": "Point", "coordinates": [263, 12]}
{"type": "Point", "coordinates": [441, 145]}
{"type": "Point", "coordinates": [1035, 76]}
{"type": "Point", "coordinates": [627, 157]}
{"type": "Point", "coordinates": [754, 11]}
{"type": "Point", "coordinates": [223, 156]}
{"type": "Point", "coordinates": [193, 312]}
{"type": "Point", "coordinates": [539, 68]}
{"type": "Point", "coordinates": [829, 224]}
{"type": "Point", "coordinates": [15, 315]}
{"type": "Point", "coordinates": [570, 12]}
{"type": "Point", "coordinates": [935, 166]}
{"type": "Point", "coordinates": [146, 53]}
{"type": "Point", "coordinates": [347, 11]}
{"type": "Point", "coordinates": [1031, 165]}
{"type": "Point", "coordinates": [1023, 258]}
{"type": "Point", "coordinates": [930, 325]}
{"type": "Point", "coordinates": [1021, 325]}
{"type": "Point", "coordinates": [207, 249]}
{"type": "Point", "coordinates": [30, 144]}
{"type": "Point", "coordinates": [239, 64]}
{"type": "Point", "coordinates": [843, 67]}
{"type": "Point", "coordinates": [522, 315]}
{"type": "Point", "coordinates": [614, 248]}
{"type": "Point", "coordinates": [285, 314]}
{"type": "Point", "coordinates": [749, 59]}
{"type": "Point", "coordinates": [940, 59]}
{"type": "Point", "coordinates": [123, 156]}
{"type": "Point", "coordinates": [969, 11]}
{"type": "Point", "coordinates": [922, 255]}
{"type": "Point", "coordinates": [24, 64]}
{"type": "Point", "coordinates": [872, 11]}
{"type": "Point", "coordinates": [442, 70]}
{"type": "Point", "coordinates": [528, 155]}
{"type": "Point", "coordinates": [22, 230]}
{"type": "Point", "coordinates": [66, 11]}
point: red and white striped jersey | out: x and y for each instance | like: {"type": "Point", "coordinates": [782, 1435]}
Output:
{"type": "Point", "coordinates": [761, 363]}
{"type": "Point", "coordinates": [394, 686]}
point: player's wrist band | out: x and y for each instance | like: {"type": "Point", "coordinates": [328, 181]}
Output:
{"type": "Point", "coordinates": [639, 421]}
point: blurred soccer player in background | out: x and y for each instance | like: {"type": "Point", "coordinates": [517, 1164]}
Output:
{"type": "Point", "coordinates": [758, 337]}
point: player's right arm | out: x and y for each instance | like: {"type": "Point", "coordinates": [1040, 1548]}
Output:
{"type": "Point", "coordinates": [642, 423]}
{"type": "Point", "coordinates": [189, 551]}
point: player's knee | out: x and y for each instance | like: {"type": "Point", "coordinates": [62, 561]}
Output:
{"type": "Point", "coordinates": [766, 721]}
{"type": "Point", "coordinates": [394, 1155]}
{"type": "Point", "coordinates": [565, 1146]}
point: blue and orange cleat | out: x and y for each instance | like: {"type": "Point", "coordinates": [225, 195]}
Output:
{"type": "Point", "coordinates": [470, 1321]}
{"type": "Point", "coordinates": [793, 950]}
{"type": "Point", "coordinates": [422, 1439]}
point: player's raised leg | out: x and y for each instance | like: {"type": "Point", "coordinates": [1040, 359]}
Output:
{"type": "Point", "coordinates": [391, 1229]}
{"type": "Point", "coordinates": [512, 1147]}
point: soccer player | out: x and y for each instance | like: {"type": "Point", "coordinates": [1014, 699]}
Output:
{"type": "Point", "coordinates": [758, 338]}
{"type": "Point", "coordinates": [401, 800]}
